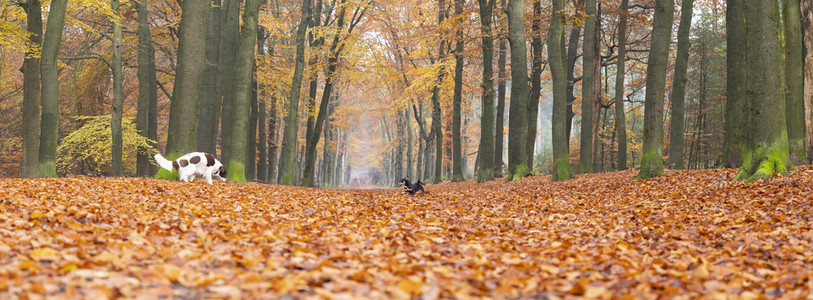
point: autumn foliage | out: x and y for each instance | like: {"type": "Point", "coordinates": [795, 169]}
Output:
{"type": "Point", "coordinates": [689, 233]}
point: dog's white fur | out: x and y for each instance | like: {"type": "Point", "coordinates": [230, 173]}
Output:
{"type": "Point", "coordinates": [205, 165]}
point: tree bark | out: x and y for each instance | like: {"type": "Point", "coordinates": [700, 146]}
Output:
{"type": "Point", "coordinates": [209, 121]}
{"type": "Point", "coordinates": [457, 150]}
{"type": "Point", "coordinates": [486, 152]}
{"type": "Point", "coordinates": [314, 59]}
{"type": "Point", "coordinates": [735, 141]}
{"type": "Point", "coordinates": [794, 81]}
{"type": "Point", "coordinates": [679, 87]}
{"type": "Point", "coordinates": [535, 83]}
{"type": "Point", "coordinates": [767, 151]}
{"type": "Point", "coordinates": [253, 116]}
{"type": "Point", "coordinates": [807, 25]}
{"type": "Point", "coordinates": [227, 59]}
{"type": "Point", "coordinates": [652, 153]}
{"type": "Point", "coordinates": [620, 113]}
{"type": "Point", "coordinates": [118, 92]}
{"type": "Point", "coordinates": [31, 90]}
{"type": "Point", "coordinates": [262, 142]}
{"type": "Point", "coordinates": [518, 113]}
{"type": "Point", "coordinates": [499, 121]}
{"type": "Point", "coordinates": [287, 164]}
{"type": "Point", "coordinates": [572, 55]}
{"type": "Point", "coordinates": [557, 58]}
{"type": "Point", "coordinates": [436, 113]}
{"type": "Point", "coordinates": [589, 63]}
{"type": "Point", "coordinates": [596, 103]}
{"type": "Point", "coordinates": [147, 92]}
{"type": "Point", "coordinates": [46, 166]}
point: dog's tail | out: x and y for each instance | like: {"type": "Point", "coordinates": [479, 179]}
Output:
{"type": "Point", "coordinates": [163, 162]}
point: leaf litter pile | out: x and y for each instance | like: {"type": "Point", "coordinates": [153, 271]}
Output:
{"type": "Point", "coordinates": [688, 234]}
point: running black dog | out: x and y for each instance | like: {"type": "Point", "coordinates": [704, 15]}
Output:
{"type": "Point", "coordinates": [411, 188]}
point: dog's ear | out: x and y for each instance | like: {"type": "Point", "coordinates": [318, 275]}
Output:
{"type": "Point", "coordinates": [222, 172]}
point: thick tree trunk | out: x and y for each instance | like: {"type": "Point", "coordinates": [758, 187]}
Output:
{"type": "Point", "coordinates": [620, 113]}
{"type": "Point", "coordinates": [31, 91]}
{"type": "Point", "coordinates": [147, 91]}
{"type": "Point", "coordinates": [536, 83]}
{"type": "Point", "coordinates": [46, 166]}
{"type": "Point", "coordinates": [210, 94]}
{"type": "Point", "coordinates": [572, 55]}
{"type": "Point", "coordinates": [272, 138]}
{"type": "Point", "coordinates": [767, 151]}
{"type": "Point", "coordinates": [436, 113]}
{"type": "Point", "coordinates": [499, 121]}
{"type": "Point", "coordinates": [556, 55]}
{"type": "Point", "coordinates": [735, 141]}
{"type": "Point", "coordinates": [794, 81]}
{"type": "Point", "coordinates": [118, 92]}
{"type": "Point", "coordinates": [807, 25]}
{"type": "Point", "coordinates": [457, 158]}
{"type": "Point", "coordinates": [314, 59]}
{"type": "Point", "coordinates": [679, 87]}
{"type": "Point", "coordinates": [596, 103]}
{"type": "Point", "coordinates": [486, 152]}
{"type": "Point", "coordinates": [183, 113]}
{"type": "Point", "coordinates": [253, 116]}
{"type": "Point", "coordinates": [263, 137]}
{"type": "Point", "coordinates": [287, 164]}
{"type": "Point", "coordinates": [652, 157]}
{"type": "Point", "coordinates": [518, 113]}
{"type": "Point", "coordinates": [588, 87]}
{"type": "Point", "coordinates": [229, 32]}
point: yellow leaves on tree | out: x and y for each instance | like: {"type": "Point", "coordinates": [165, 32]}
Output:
{"type": "Point", "coordinates": [91, 145]}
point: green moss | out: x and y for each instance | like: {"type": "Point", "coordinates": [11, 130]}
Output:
{"type": "Point", "coordinates": [562, 170]}
{"type": "Point", "coordinates": [772, 159]}
{"type": "Point", "coordinates": [237, 172]}
{"type": "Point", "coordinates": [485, 175]}
{"type": "Point", "coordinates": [651, 165]}
{"type": "Point", "coordinates": [46, 169]}
{"type": "Point", "coordinates": [168, 175]}
{"type": "Point", "coordinates": [522, 171]}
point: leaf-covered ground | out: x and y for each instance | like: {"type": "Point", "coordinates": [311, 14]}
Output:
{"type": "Point", "coordinates": [688, 234]}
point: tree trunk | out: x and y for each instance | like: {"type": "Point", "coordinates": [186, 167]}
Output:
{"type": "Point", "coordinates": [31, 90]}
{"type": "Point", "coordinates": [409, 150]}
{"type": "Point", "coordinates": [736, 109]}
{"type": "Point", "coordinates": [767, 151]}
{"type": "Point", "coordinates": [556, 51]}
{"type": "Point", "coordinates": [536, 83]}
{"type": "Point", "coordinates": [251, 143]}
{"type": "Point", "coordinates": [272, 138]}
{"type": "Point", "coordinates": [596, 103]}
{"type": "Point", "coordinates": [794, 81]}
{"type": "Point", "coordinates": [183, 113]}
{"type": "Point", "coordinates": [620, 113]}
{"type": "Point", "coordinates": [572, 55]}
{"type": "Point", "coordinates": [807, 23]}
{"type": "Point", "coordinates": [679, 87]}
{"type": "Point", "coordinates": [118, 92]}
{"type": "Point", "coordinates": [588, 87]}
{"type": "Point", "coordinates": [50, 89]}
{"type": "Point", "coordinates": [652, 156]}
{"type": "Point", "coordinates": [287, 164]}
{"type": "Point", "coordinates": [436, 113]}
{"type": "Point", "coordinates": [229, 32]}
{"type": "Point", "coordinates": [518, 113]}
{"type": "Point", "coordinates": [147, 92]}
{"type": "Point", "coordinates": [499, 122]}
{"type": "Point", "coordinates": [314, 76]}
{"type": "Point", "coordinates": [262, 146]}
{"type": "Point", "coordinates": [210, 95]}
{"type": "Point", "coordinates": [457, 150]}
{"type": "Point", "coordinates": [486, 152]}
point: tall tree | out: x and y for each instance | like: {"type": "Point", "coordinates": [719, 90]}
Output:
{"type": "Point", "coordinates": [588, 88]}
{"type": "Point", "coordinates": [536, 82]}
{"type": "Point", "coordinates": [436, 113]}
{"type": "Point", "coordinates": [558, 60]}
{"type": "Point", "coordinates": [227, 59]}
{"type": "Point", "coordinates": [767, 149]}
{"type": "Point", "coordinates": [486, 153]}
{"type": "Point", "coordinates": [457, 150]}
{"type": "Point", "coordinates": [263, 139]}
{"type": "Point", "coordinates": [314, 59]}
{"type": "Point", "coordinates": [735, 141]}
{"type": "Point", "coordinates": [31, 89]}
{"type": "Point", "coordinates": [652, 157]}
{"type": "Point", "coordinates": [679, 86]}
{"type": "Point", "coordinates": [620, 114]}
{"type": "Point", "coordinates": [183, 111]}
{"type": "Point", "coordinates": [240, 106]}
{"type": "Point", "coordinates": [499, 121]}
{"type": "Point", "coordinates": [336, 49]}
{"type": "Point", "coordinates": [210, 94]}
{"type": "Point", "coordinates": [518, 112]}
{"type": "Point", "coordinates": [50, 89]}
{"type": "Point", "coordinates": [118, 90]}
{"type": "Point", "coordinates": [253, 121]}
{"type": "Point", "coordinates": [807, 16]}
{"type": "Point", "coordinates": [287, 163]}
{"type": "Point", "coordinates": [794, 80]}
{"type": "Point", "coordinates": [147, 90]}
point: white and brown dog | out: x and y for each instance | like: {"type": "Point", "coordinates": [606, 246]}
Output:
{"type": "Point", "coordinates": [194, 164]}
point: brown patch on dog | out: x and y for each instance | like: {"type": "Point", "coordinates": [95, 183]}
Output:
{"type": "Point", "coordinates": [194, 160]}
{"type": "Point", "coordinates": [210, 159]}
{"type": "Point", "coordinates": [183, 163]}
{"type": "Point", "coordinates": [175, 165]}
{"type": "Point", "coordinates": [222, 172]}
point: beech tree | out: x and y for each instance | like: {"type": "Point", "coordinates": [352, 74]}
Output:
{"type": "Point", "coordinates": [620, 114]}
{"type": "Point", "coordinates": [31, 89]}
{"type": "Point", "coordinates": [518, 115]}
{"type": "Point", "coordinates": [794, 81]}
{"type": "Point", "coordinates": [486, 171]}
{"type": "Point", "coordinates": [50, 89]}
{"type": "Point", "coordinates": [679, 86]}
{"type": "Point", "coordinates": [556, 55]}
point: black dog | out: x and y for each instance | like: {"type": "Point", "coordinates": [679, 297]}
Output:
{"type": "Point", "coordinates": [411, 188]}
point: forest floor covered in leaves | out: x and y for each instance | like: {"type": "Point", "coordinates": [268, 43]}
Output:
{"type": "Point", "coordinates": [688, 234]}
